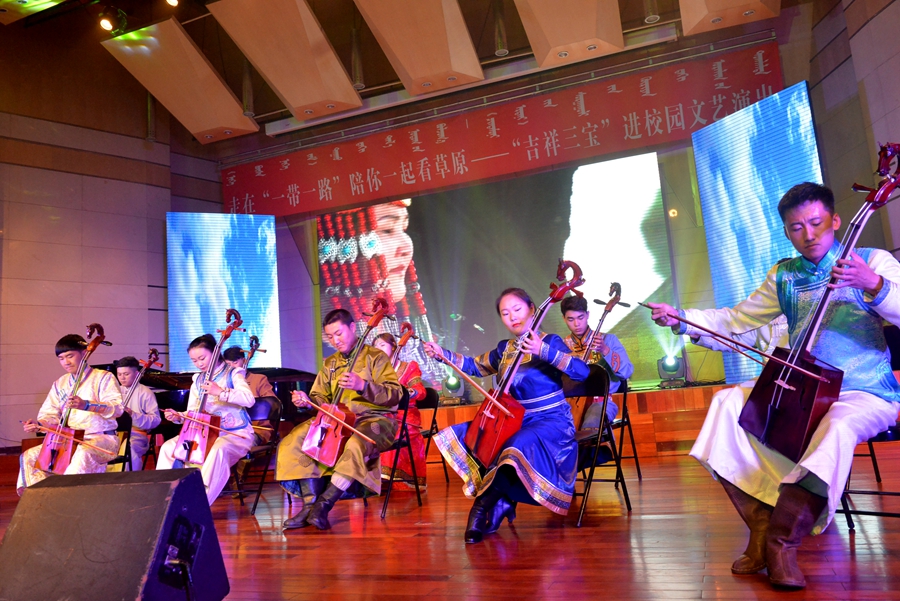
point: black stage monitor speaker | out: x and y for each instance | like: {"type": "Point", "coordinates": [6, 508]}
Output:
{"type": "Point", "coordinates": [106, 537]}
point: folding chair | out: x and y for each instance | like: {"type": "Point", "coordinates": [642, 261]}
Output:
{"type": "Point", "coordinates": [266, 408]}
{"type": "Point", "coordinates": [402, 442]}
{"type": "Point", "coordinates": [625, 422]}
{"type": "Point", "coordinates": [431, 401]}
{"type": "Point", "coordinates": [892, 434]}
{"type": "Point", "coordinates": [590, 441]}
{"type": "Point", "coordinates": [123, 428]}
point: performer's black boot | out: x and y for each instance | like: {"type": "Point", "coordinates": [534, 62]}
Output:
{"type": "Point", "coordinates": [504, 508]}
{"type": "Point", "coordinates": [318, 516]}
{"type": "Point", "coordinates": [756, 515]}
{"type": "Point", "coordinates": [794, 516]}
{"type": "Point", "coordinates": [480, 513]}
{"type": "Point", "coordinates": [310, 489]}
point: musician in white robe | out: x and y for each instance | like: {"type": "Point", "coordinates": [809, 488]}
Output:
{"type": "Point", "coordinates": [228, 396]}
{"type": "Point", "coordinates": [95, 406]}
{"type": "Point", "coordinates": [141, 405]}
{"type": "Point", "coordinates": [782, 501]}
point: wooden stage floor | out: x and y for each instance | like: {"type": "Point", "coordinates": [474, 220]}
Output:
{"type": "Point", "coordinates": [677, 543]}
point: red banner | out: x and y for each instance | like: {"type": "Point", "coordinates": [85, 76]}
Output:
{"type": "Point", "coordinates": [627, 112]}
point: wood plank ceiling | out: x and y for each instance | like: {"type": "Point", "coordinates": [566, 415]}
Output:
{"type": "Point", "coordinates": [316, 58]}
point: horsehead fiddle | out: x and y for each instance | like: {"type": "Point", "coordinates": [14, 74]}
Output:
{"type": "Point", "coordinates": [488, 432]}
{"type": "Point", "coordinates": [60, 440]}
{"type": "Point", "coordinates": [329, 431]}
{"type": "Point", "coordinates": [201, 429]}
{"type": "Point", "coordinates": [406, 332]}
{"type": "Point", "coordinates": [795, 389]}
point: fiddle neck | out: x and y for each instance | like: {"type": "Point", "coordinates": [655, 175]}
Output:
{"type": "Point", "coordinates": [844, 249]}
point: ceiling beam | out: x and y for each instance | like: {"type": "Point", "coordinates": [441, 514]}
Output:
{"type": "Point", "coordinates": [426, 42]}
{"type": "Point", "coordinates": [169, 64]}
{"type": "Point", "coordinates": [567, 31]}
{"type": "Point", "coordinates": [285, 43]}
{"type": "Point", "coordinates": [698, 16]}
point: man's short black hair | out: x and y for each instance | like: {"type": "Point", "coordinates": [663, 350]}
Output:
{"type": "Point", "coordinates": [70, 342]}
{"type": "Point", "coordinates": [233, 353]}
{"type": "Point", "coordinates": [128, 362]}
{"type": "Point", "coordinates": [573, 303]}
{"type": "Point", "coordinates": [803, 193]}
{"type": "Point", "coordinates": [341, 315]}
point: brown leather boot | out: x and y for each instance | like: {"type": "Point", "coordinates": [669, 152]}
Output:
{"type": "Point", "coordinates": [756, 515]}
{"type": "Point", "coordinates": [794, 516]}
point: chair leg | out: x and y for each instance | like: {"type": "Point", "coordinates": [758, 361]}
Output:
{"type": "Point", "coordinates": [874, 463]}
{"type": "Point", "coordinates": [846, 508]}
{"type": "Point", "coordinates": [390, 485]}
{"type": "Point", "coordinates": [412, 464]}
{"type": "Point", "coordinates": [262, 481]}
{"type": "Point", "coordinates": [620, 476]}
{"type": "Point", "coordinates": [587, 483]}
{"type": "Point", "coordinates": [237, 484]}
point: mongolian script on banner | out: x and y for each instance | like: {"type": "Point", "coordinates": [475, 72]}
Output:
{"type": "Point", "coordinates": [635, 111]}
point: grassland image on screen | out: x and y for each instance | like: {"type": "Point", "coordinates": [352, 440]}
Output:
{"type": "Point", "coordinates": [745, 163]}
{"type": "Point", "coordinates": [442, 259]}
{"type": "Point", "coordinates": [218, 262]}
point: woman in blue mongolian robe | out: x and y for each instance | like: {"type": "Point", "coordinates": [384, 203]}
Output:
{"type": "Point", "coordinates": [537, 464]}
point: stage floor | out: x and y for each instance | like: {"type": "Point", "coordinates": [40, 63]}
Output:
{"type": "Point", "coordinates": [677, 543]}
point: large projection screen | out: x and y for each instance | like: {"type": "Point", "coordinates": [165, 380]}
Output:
{"type": "Point", "coordinates": [745, 163]}
{"type": "Point", "coordinates": [443, 258]}
{"type": "Point", "coordinates": [218, 262]}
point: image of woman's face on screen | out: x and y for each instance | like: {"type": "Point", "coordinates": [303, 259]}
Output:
{"type": "Point", "coordinates": [391, 221]}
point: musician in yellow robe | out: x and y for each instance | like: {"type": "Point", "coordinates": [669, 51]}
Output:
{"type": "Point", "coordinates": [372, 392]}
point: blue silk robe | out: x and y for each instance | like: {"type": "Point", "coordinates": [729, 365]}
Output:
{"type": "Point", "coordinates": [543, 453]}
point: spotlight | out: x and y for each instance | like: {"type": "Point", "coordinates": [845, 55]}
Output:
{"type": "Point", "coordinates": [453, 386]}
{"type": "Point", "coordinates": [671, 370]}
{"type": "Point", "coordinates": [113, 20]}
{"type": "Point", "coordinates": [172, 2]}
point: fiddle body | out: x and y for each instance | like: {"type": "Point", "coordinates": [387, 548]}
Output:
{"type": "Point", "coordinates": [500, 415]}
{"type": "Point", "coordinates": [332, 427]}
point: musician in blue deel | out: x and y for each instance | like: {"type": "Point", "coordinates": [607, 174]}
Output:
{"type": "Point", "coordinates": [779, 499]}
{"type": "Point", "coordinates": [606, 351]}
{"type": "Point", "coordinates": [536, 465]}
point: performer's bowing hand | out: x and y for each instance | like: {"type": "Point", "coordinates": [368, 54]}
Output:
{"type": "Point", "coordinates": [662, 314]}
{"type": "Point", "coordinates": [531, 343]}
{"type": "Point", "coordinates": [173, 416]}
{"type": "Point", "coordinates": [30, 425]}
{"type": "Point", "coordinates": [299, 399]}
{"type": "Point", "coordinates": [351, 381]}
{"type": "Point", "coordinates": [433, 350]}
{"type": "Point", "coordinates": [856, 273]}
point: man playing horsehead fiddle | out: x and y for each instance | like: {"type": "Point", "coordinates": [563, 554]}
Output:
{"type": "Point", "coordinates": [372, 392]}
{"type": "Point", "coordinates": [779, 500]}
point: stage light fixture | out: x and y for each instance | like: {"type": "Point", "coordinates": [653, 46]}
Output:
{"type": "Point", "coordinates": [113, 20]}
{"type": "Point", "coordinates": [671, 370]}
{"type": "Point", "coordinates": [172, 2]}
{"type": "Point", "coordinates": [452, 386]}
{"type": "Point", "coordinates": [501, 46]}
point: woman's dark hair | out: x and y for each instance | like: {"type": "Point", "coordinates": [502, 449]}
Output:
{"type": "Point", "coordinates": [206, 341]}
{"type": "Point", "coordinates": [389, 338]}
{"type": "Point", "coordinates": [518, 293]}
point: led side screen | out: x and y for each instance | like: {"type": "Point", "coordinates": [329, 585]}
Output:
{"type": "Point", "coordinates": [444, 258]}
{"type": "Point", "coordinates": [217, 262]}
{"type": "Point", "coordinates": [745, 163]}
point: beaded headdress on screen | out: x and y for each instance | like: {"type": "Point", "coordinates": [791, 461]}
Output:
{"type": "Point", "coordinates": [352, 264]}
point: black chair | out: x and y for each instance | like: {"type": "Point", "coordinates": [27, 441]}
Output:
{"type": "Point", "coordinates": [123, 429]}
{"type": "Point", "coordinates": [590, 441]}
{"type": "Point", "coordinates": [621, 424]}
{"type": "Point", "coordinates": [402, 442]}
{"type": "Point", "coordinates": [892, 434]}
{"type": "Point", "coordinates": [431, 401]}
{"type": "Point", "coordinates": [266, 408]}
